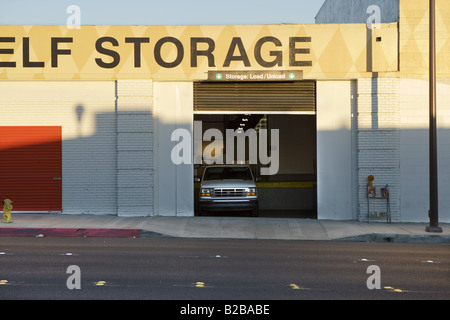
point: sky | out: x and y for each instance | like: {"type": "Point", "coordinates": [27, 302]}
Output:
{"type": "Point", "coordinates": [160, 12]}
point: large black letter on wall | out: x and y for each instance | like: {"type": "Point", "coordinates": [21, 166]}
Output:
{"type": "Point", "coordinates": [231, 57]}
{"type": "Point", "coordinates": [278, 61]}
{"type": "Point", "coordinates": [293, 51]}
{"type": "Point", "coordinates": [137, 49]}
{"type": "Point", "coordinates": [207, 53]}
{"type": "Point", "coordinates": [7, 64]}
{"type": "Point", "coordinates": [56, 51]}
{"type": "Point", "coordinates": [113, 54]}
{"type": "Point", "coordinates": [180, 52]}
{"type": "Point", "coordinates": [26, 56]}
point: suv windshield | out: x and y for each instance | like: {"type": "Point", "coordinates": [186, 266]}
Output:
{"type": "Point", "coordinates": [228, 173]}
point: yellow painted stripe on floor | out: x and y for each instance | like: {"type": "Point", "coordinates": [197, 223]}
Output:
{"type": "Point", "coordinates": [286, 185]}
{"type": "Point", "coordinates": [280, 185]}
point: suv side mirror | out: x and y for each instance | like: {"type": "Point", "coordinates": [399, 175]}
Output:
{"type": "Point", "coordinates": [197, 179]}
{"type": "Point", "coordinates": [258, 179]}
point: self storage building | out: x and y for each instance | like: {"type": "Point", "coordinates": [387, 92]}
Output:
{"type": "Point", "coordinates": [91, 117]}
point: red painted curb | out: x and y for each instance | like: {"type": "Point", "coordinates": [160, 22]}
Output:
{"type": "Point", "coordinates": [69, 232]}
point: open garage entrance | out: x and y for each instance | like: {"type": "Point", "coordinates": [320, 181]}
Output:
{"type": "Point", "coordinates": [288, 108]}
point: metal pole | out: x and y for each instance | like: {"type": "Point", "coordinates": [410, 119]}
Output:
{"type": "Point", "coordinates": [433, 213]}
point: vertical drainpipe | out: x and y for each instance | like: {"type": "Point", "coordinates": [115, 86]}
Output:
{"type": "Point", "coordinates": [116, 117]}
{"type": "Point", "coordinates": [434, 204]}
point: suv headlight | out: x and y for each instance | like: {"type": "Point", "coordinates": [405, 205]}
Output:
{"type": "Point", "coordinates": [250, 191]}
{"type": "Point", "coordinates": [204, 192]}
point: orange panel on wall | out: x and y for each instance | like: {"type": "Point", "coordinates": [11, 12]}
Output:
{"type": "Point", "coordinates": [31, 167]}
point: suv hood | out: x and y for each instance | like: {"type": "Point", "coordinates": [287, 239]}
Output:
{"type": "Point", "coordinates": [228, 184]}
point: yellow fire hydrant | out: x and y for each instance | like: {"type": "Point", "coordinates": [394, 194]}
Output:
{"type": "Point", "coordinates": [7, 208]}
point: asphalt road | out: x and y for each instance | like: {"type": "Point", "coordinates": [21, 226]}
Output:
{"type": "Point", "coordinates": [232, 270]}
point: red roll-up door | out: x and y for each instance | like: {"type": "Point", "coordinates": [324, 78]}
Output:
{"type": "Point", "coordinates": [31, 167]}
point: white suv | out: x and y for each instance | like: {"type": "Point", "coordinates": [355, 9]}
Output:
{"type": "Point", "coordinates": [228, 188]}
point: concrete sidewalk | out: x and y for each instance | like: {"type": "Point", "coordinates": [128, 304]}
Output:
{"type": "Point", "coordinates": [42, 225]}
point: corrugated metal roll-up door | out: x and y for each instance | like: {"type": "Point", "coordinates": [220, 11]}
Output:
{"type": "Point", "coordinates": [295, 96]}
{"type": "Point", "coordinates": [31, 167]}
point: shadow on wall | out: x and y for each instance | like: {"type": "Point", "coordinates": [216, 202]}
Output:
{"type": "Point", "coordinates": [89, 174]}
{"type": "Point", "coordinates": [113, 169]}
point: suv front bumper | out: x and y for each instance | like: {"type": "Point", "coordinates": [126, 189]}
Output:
{"type": "Point", "coordinates": [228, 205]}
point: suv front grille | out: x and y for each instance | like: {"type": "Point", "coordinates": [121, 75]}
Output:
{"type": "Point", "coordinates": [229, 192]}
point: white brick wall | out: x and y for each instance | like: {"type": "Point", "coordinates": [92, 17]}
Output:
{"type": "Point", "coordinates": [107, 132]}
{"type": "Point", "coordinates": [86, 113]}
{"type": "Point", "coordinates": [109, 155]}
{"type": "Point", "coordinates": [392, 145]}
{"type": "Point", "coordinates": [378, 142]}
{"type": "Point", "coordinates": [135, 147]}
